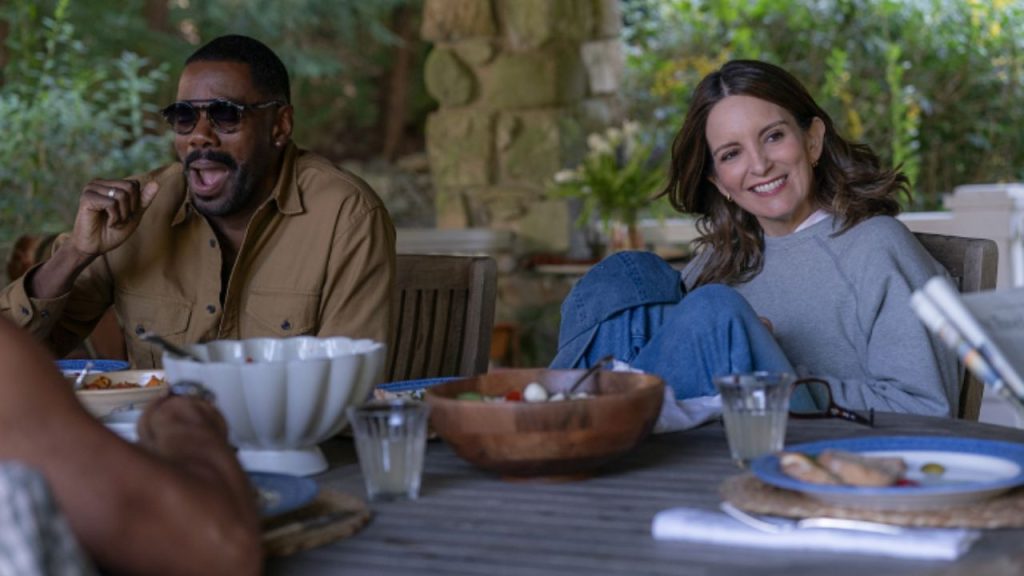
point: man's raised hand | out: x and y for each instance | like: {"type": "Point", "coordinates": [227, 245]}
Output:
{"type": "Point", "coordinates": [109, 211]}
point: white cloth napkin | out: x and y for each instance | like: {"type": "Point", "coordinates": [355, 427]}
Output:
{"type": "Point", "coordinates": [679, 415]}
{"type": "Point", "coordinates": [715, 527]}
{"type": "Point", "coordinates": [685, 414]}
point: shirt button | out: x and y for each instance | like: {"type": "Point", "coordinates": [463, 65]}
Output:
{"type": "Point", "coordinates": [211, 308]}
{"type": "Point", "coordinates": [140, 329]}
{"type": "Point", "coordinates": [24, 311]}
{"type": "Point", "coordinates": [45, 314]}
{"type": "Point", "coordinates": [213, 243]}
{"type": "Point", "coordinates": [286, 325]}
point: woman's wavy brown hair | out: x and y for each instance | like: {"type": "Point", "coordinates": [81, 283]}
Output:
{"type": "Point", "coordinates": [851, 184]}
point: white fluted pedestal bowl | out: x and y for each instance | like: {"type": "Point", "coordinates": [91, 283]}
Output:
{"type": "Point", "coordinates": [283, 396]}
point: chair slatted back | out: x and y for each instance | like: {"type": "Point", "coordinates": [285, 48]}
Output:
{"type": "Point", "coordinates": [444, 314]}
{"type": "Point", "coordinates": [972, 264]}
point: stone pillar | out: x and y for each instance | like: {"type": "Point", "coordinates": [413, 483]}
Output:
{"type": "Point", "coordinates": [520, 84]}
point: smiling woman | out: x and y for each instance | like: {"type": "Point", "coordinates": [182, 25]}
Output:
{"type": "Point", "coordinates": [763, 161]}
{"type": "Point", "coordinates": [801, 266]}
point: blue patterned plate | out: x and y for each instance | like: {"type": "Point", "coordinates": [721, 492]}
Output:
{"type": "Point", "coordinates": [413, 388]}
{"type": "Point", "coordinates": [973, 470]}
{"type": "Point", "coordinates": [98, 365]}
{"type": "Point", "coordinates": [281, 493]}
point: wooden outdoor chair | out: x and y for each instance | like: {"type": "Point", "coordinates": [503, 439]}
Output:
{"type": "Point", "coordinates": [444, 313]}
{"type": "Point", "coordinates": [971, 263]}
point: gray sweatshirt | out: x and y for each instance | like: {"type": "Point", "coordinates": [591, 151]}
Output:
{"type": "Point", "coordinates": [840, 310]}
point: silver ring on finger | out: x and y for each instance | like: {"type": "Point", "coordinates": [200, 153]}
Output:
{"type": "Point", "coordinates": [111, 193]}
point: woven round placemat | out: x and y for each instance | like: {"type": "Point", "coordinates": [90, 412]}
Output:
{"type": "Point", "coordinates": [747, 492]}
{"type": "Point", "coordinates": [333, 515]}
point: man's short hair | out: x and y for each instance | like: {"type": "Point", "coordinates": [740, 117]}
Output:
{"type": "Point", "coordinates": [268, 72]}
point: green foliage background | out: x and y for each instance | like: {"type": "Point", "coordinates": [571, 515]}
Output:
{"type": "Point", "coordinates": [80, 95]}
{"type": "Point", "coordinates": [67, 121]}
{"type": "Point", "coordinates": [934, 85]}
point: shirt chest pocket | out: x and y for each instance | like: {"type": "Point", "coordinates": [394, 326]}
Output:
{"type": "Point", "coordinates": [141, 314]}
{"type": "Point", "coordinates": [280, 313]}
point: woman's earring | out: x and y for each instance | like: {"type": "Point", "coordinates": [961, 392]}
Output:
{"type": "Point", "coordinates": [728, 197]}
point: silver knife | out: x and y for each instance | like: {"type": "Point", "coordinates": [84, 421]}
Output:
{"type": "Point", "coordinates": [780, 525]}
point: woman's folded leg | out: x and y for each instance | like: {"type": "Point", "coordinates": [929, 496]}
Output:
{"type": "Point", "coordinates": [632, 306]}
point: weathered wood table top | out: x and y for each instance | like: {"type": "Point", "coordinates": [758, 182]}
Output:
{"type": "Point", "coordinates": [471, 522]}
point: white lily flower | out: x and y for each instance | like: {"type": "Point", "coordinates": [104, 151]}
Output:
{"type": "Point", "coordinates": [566, 176]}
{"type": "Point", "coordinates": [614, 136]}
{"type": "Point", "coordinates": [598, 145]}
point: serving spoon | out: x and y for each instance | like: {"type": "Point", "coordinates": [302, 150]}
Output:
{"type": "Point", "coordinates": [175, 350]}
{"type": "Point", "coordinates": [590, 372]}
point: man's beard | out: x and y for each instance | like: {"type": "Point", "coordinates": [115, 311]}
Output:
{"type": "Point", "coordinates": [240, 189]}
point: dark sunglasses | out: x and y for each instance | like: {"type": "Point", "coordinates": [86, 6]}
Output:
{"type": "Point", "coordinates": [822, 395]}
{"type": "Point", "coordinates": [224, 115]}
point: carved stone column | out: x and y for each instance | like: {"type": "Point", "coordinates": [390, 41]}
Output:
{"type": "Point", "coordinates": [520, 84]}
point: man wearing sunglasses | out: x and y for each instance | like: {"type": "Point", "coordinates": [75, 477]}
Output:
{"type": "Point", "coordinates": [245, 236]}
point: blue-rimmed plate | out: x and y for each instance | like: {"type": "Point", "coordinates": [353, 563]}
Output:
{"type": "Point", "coordinates": [281, 493]}
{"type": "Point", "coordinates": [412, 388]}
{"type": "Point", "coordinates": [973, 470]}
{"type": "Point", "coordinates": [98, 365]}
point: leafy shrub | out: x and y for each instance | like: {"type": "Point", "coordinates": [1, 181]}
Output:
{"type": "Point", "coordinates": [68, 121]}
{"type": "Point", "coordinates": [934, 85]}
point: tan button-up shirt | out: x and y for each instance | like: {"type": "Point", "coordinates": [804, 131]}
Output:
{"type": "Point", "coordinates": [318, 258]}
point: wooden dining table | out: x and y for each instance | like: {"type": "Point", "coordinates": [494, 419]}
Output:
{"type": "Point", "coordinates": [470, 522]}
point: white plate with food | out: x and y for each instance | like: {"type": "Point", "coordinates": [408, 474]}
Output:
{"type": "Point", "coordinates": [937, 472]}
{"type": "Point", "coordinates": [105, 393]}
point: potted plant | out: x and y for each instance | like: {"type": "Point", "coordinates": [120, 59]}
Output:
{"type": "Point", "coordinates": [617, 181]}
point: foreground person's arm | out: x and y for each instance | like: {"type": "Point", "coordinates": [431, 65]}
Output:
{"type": "Point", "coordinates": [181, 505]}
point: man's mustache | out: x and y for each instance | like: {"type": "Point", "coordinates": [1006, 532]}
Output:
{"type": "Point", "coordinates": [212, 155]}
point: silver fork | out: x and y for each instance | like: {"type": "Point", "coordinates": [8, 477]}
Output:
{"type": "Point", "coordinates": [80, 379]}
{"type": "Point", "coordinates": [781, 525]}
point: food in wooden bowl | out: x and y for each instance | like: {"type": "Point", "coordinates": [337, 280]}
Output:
{"type": "Point", "coordinates": [556, 439]}
{"type": "Point", "coordinates": [108, 392]}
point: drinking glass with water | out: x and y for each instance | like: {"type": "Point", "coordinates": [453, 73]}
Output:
{"type": "Point", "coordinates": [755, 408]}
{"type": "Point", "coordinates": [391, 437]}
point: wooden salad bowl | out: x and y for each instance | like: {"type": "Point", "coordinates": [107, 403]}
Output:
{"type": "Point", "coordinates": [559, 440]}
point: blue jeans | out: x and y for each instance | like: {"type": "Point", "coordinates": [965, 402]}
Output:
{"type": "Point", "coordinates": [632, 305]}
